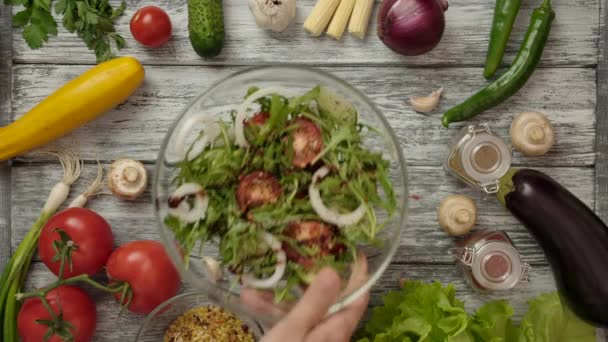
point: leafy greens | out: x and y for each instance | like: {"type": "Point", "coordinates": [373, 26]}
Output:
{"type": "Point", "coordinates": [422, 312]}
{"type": "Point", "coordinates": [92, 20]}
{"type": "Point", "coordinates": [358, 176]}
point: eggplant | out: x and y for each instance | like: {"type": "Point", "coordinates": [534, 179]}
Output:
{"type": "Point", "coordinates": [573, 238]}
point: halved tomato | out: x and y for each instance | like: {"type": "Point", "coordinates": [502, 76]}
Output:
{"type": "Point", "coordinates": [307, 142]}
{"type": "Point", "coordinates": [256, 189]}
{"type": "Point", "coordinates": [316, 234]}
{"type": "Point", "coordinates": [258, 118]}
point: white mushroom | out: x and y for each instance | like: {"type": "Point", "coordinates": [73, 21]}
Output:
{"type": "Point", "coordinates": [127, 178]}
{"type": "Point", "coordinates": [532, 133]}
{"type": "Point", "coordinates": [214, 270]}
{"type": "Point", "coordinates": [457, 214]}
{"type": "Point", "coordinates": [426, 104]}
{"type": "Point", "coordinates": [273, 15]}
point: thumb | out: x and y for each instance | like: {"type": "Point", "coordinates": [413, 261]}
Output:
{"type": "Point", "coordinates": [313, 306]}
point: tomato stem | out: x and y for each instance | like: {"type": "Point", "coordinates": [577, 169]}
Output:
{"type": "Point", "coordinates": [47, 306]}
{"type": "Point", "coordinates": [113, 288]}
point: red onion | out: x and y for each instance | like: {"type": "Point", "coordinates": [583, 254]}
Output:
{"type": "Point", "coordinates": [411, 27]}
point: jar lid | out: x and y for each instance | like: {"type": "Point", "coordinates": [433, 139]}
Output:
{"type": "Point", "coordinates": [497, 265]}
{"type": "Point", "coordinates": [485, 158]}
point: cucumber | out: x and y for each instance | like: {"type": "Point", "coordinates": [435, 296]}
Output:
{"type": "Point", "coordinates": [206, 26]}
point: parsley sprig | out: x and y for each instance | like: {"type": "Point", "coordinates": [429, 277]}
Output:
{"type": "Point", "coordinates": [91, 20]}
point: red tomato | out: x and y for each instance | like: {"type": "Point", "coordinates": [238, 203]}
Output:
{"type": "Point", "coordinates": [151, 26]}
{"type": "Point", "coordinates": [76, 307]}
{"type": "Point", "coordinates": [307, 142]}
{"type": "Point", "coordinates": [258, 119]}
{"type": "Point", "coordinates": [90, 232]}
{"type": "Point", "coordinates": [256, 189]}
{"type": "Point", "coordinates": [317, 235]}
{"type": "Point", "coordinates": [147, 268]}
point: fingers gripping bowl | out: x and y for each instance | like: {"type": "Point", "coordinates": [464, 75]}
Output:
{"type": "Point", "coordinates": [273, 173]}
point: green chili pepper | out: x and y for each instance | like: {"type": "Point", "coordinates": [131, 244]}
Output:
{"type": "Point", "coordinates": [511, 81]}
{"type": "Point", "coordinates": [505, 12]}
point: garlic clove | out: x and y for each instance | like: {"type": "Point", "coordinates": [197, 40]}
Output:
{"type": "Point", "coordinates": [426, 104]}
{"type": "Point", "coordinates": [532, 133]}
{"type": "Point", "coordinates": [213, 268]}
{"type": "Point", "coordinates": [457, 214]}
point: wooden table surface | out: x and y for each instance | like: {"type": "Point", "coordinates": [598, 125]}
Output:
{"type": "Point", "coordinates": [570, 86]}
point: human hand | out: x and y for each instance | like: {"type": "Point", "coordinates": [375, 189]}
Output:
{"type": "Point", "coordinates": [307, 321]}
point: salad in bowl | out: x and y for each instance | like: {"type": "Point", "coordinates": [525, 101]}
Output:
{"type": "Point", "coordinates": [264, 193]}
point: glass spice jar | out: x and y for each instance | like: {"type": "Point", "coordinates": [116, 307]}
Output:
{"type": "Point", "coordinates": [478, 157]}
{"type": "Point", "coordinates": [490, 261]}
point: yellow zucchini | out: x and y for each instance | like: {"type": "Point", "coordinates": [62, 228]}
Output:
{"type": "Point", "coordinates": [79, 101]}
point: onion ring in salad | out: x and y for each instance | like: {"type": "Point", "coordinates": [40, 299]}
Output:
{"type": "Point", "coordinates": [270, 282]}
{"type": "Point", "coordinates": [241, 113]}
{"type": "Point", "coordinates": [327, 214]}
{"type": "Point", "coordinates": [181, 208]}
{"type": "Point", "coordinates": [210, 132]}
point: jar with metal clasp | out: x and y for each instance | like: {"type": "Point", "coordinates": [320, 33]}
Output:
{"type": "Point", "coordinates": [478, 157]}
{"type": "Point", "coordinates": [490, 261]}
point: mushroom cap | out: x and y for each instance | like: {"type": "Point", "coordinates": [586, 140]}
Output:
{"type": "Point", "coordinates": [127, 178]}
{"type": "Point", "coordinates": [457, 214]}
{"type": "Point", "coordinates": [532, 133]}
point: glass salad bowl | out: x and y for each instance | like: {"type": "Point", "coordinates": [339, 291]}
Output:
{"type": "Point", "coordinates": [201, 260]}
{"type": "Point", "coordinates": [158, 321]}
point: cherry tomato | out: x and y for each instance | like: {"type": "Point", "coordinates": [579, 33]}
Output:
{"type": "Point", "coordinates": [89, 231]}
{"type": "Point", "coordinates": [75, 306]}
{"type": "Point", "coordinates": [149, 271]}
{"type": "Point", "coordinates": [307, 142]}
{"type": "Point", "coordinates": [254, 124]}
{"type": "Point", "coordinates": [151, 26]}
{"type": "Point", "coordinates": [258, 119]}
{"type": "Point", "coordinates": [311, 233]}
{"type": "Point", "coordinates": [256, 189]}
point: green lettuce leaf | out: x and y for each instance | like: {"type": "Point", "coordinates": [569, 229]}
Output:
{"type": "Point", "coordinates": [547, 320]}
{"type": "Point", "coordinates": [419, 312]}
{"type": "Point", "coordinates": [430, 313]}
{"type": "Point", "coordinates": [492, 322]}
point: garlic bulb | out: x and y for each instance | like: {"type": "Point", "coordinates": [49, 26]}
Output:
{"type": "Point", "coordinates": [273, 15]}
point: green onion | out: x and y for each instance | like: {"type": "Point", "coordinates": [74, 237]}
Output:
{"type": "Point", "coordinates": [15, 272]}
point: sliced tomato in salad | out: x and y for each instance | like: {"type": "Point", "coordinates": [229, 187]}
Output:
{"type": "Point", "coordinates": [256, 189]}
{"type": "Point", "coordinates": [257, 119]}
{"type": "Point", "coordinates": [317, 234]}
{"type": "Point", "coordinates": [307, 142]}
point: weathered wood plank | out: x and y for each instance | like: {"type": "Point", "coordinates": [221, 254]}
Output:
{"type": "Point", "coordinates": [541, 281]}
{"type": "Point", "coordinates": [137, 127]}
{"type": "Point", "coordinates": [422, 240]}
{"type": "Point", "coordinates": [573, 39]}
{"type": "Point", "coordinates": [5, 118]}
{"type": "Point", "coordinates": [601, 143]}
